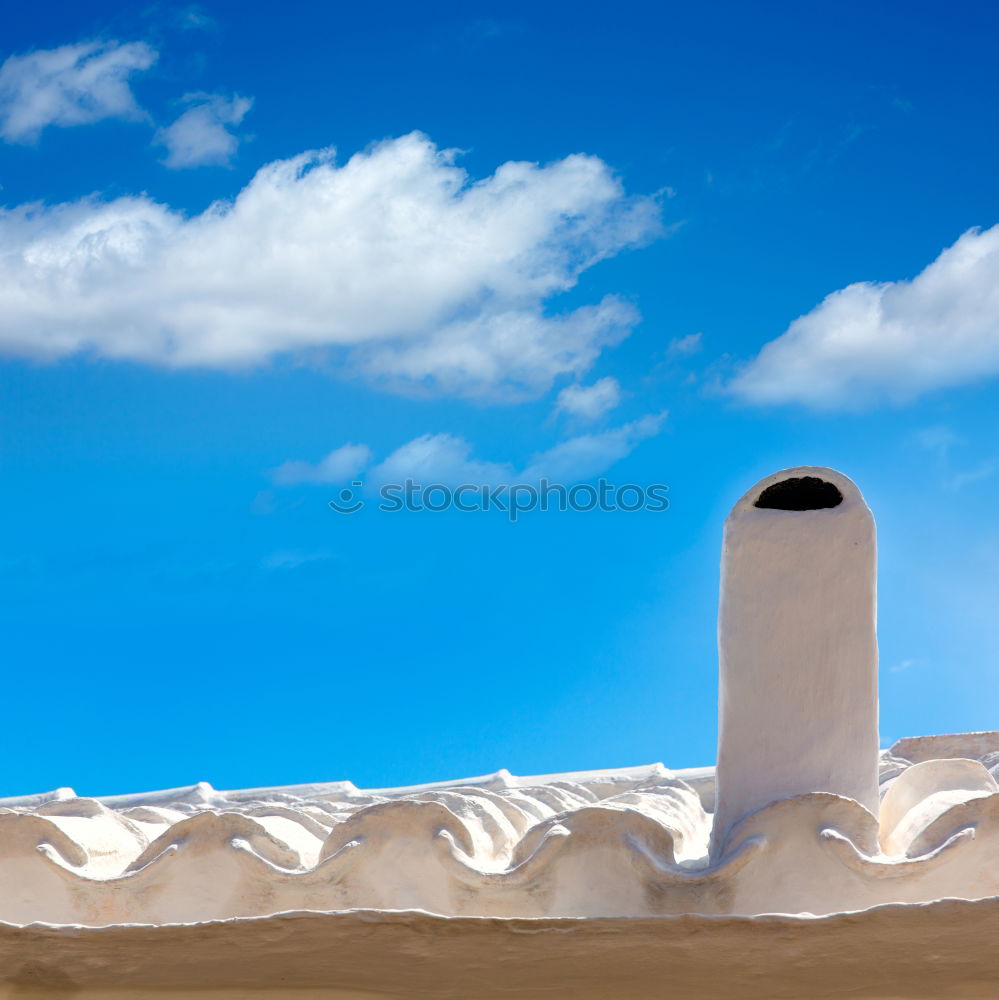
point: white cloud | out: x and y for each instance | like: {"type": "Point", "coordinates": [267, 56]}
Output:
{"type": "Point", "coordinates": [438, 458]}
{"type": "Point", "coordinates": [891, 341]}
{"type": "Point", "coordinates": [985, 469]}
{"type": "Point", "coordinates": [291, 559]}
{"type": "Point", "coordinates": [448, 459]}
{"type": "Point", "coordinates": [70, 85]}
{"type": "Point", "coordinates": [194, 16]}
{"type": "Point", "coordinates": [942, 442]}
{"type": "Point", "coordinates": [394, 259]}
{"type": "Point", "coordinates": [590, 402]}
{"type": "Point", "coordinates": [938, 439]}
{"type": "Point", "coordinates": [590, 455]}
{"type": "Point", "coordinates": [690, 344]}
{"type": "Point", "coordinates": [201, 136]}
{"type": "Point", "coordinates": [343, 463]}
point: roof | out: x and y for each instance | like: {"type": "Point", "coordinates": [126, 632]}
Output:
{"type": "Point", "coordinates": [631, 842]}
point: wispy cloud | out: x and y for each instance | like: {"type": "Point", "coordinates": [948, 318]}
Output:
{"type": "Point", "coordinates": [286, 560]}
{"type": "Point", "coordinates": [70, 85]}
{"type": "Point", "coordinates": [590, 402]}
{"type": "Point", "coordinates": [412, 273]}
{"type": "Point", "coordinates": [195, 17]}
{"type": "Point", "coordinates": [685, 346]}
{"type": "Point", "coordinates": [589, 455]}
{"type": "Point", "coordinates": [943, 443]}
{"type": "Point", "coordinates": [439, 458]}
{"type": "Point", "coordinates": [449, 460]}
{"type": "Point", "coordinates": [341, 464]}
{"type": "Point", "coordinates": [985, 469]}
{"type": "Point", "coordinates": [939, 440]}
{"type": "Point", "coordinates": [202, 135]}
{"type": "Point", "coordinates": [892, 341]}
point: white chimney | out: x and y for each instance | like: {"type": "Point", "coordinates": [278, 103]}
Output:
{"type": "Point", "coordinates": [798, 656]}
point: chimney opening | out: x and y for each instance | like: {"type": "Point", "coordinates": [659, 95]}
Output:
{"type": "Point", "coordinates": [800, 493]}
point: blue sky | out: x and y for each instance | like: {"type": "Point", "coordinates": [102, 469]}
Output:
{"type": "Point", "coordinates": [247, 259]}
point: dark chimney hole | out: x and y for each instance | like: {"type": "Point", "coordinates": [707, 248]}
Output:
{"type": "Point", "coordinates": [800, 493]}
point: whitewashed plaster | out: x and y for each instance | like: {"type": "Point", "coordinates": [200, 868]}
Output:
{"type": "Point", "coordinates": [797, 650]}
{"type": "Point", "coordinates": [633, 842]}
